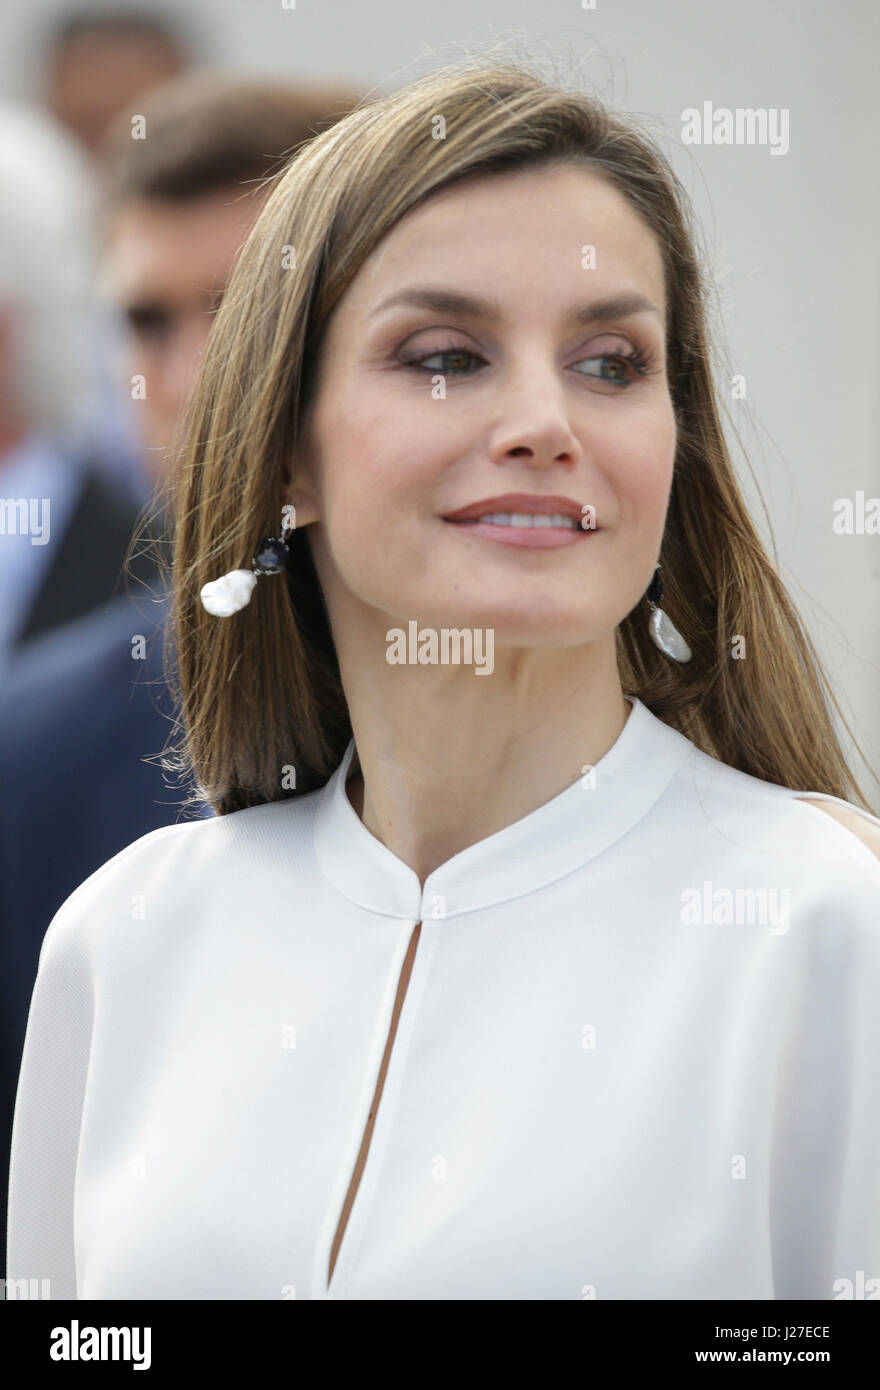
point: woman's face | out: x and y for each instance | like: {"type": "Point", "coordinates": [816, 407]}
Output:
{"type": "Point", "coordinates": [536, 401]}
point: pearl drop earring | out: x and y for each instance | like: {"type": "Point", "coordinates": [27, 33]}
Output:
{"type": "Point", "coordinates": [664, 633]}
{"type": "Point", "coordinates": [233, 591]}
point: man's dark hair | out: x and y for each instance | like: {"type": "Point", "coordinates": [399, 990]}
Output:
{"type": "Point", "coordinates": [207, 130]}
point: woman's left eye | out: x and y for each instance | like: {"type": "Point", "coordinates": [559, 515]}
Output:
{"type": "Point", "coordinates": [637, 361]}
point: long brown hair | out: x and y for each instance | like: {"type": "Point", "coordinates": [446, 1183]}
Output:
{"type": "Point", "coordinates": [260, 693]}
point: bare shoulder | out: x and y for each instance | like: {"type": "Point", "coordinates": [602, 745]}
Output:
{"type": "Point", "coordinates": [852, 819]}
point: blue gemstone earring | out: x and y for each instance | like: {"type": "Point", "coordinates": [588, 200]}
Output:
{"type": "Point", "coordinates": [233, 591]}
{"type": "Point", "coordinates": [664, 633]}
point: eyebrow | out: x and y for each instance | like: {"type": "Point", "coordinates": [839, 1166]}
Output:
{"type": "Point", "coordinates": [442, 301]}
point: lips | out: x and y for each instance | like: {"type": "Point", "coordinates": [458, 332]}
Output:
{"type": "Point", "coordinates": [525, 503]}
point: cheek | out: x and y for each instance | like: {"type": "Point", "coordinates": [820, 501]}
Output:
{"type": "Point", "coordinates": [366, 489]}
{"type": "Point", "coordinates": [648, 488]}
{"type": "Point", "coordinates": [377, 469]}
{"type": "Point", "coordinates": [648, 458]}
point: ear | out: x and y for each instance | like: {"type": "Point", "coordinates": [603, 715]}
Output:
{"type": "Point", "coordinates": [853, 819]}
{"type": "Point", "coordinates": [298, 483]}
{"type": "Point", "coordinates": [306, 509]}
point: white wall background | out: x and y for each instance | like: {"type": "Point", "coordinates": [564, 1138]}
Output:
{"type": "Point", "coordinates": [793, 238]}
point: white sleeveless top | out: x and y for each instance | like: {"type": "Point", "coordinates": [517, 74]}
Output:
{"type": "Point", "coordinates": [638, 1055]}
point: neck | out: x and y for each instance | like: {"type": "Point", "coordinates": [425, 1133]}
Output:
{"type": "Point", "coordinates": [448, 758]}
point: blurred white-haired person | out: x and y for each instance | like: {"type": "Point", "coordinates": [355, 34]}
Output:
{"type": "Point", "coordinates": [68, 500]}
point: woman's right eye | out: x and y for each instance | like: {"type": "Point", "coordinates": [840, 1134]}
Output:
{"type": "Point", "coordinates": [418, 359]}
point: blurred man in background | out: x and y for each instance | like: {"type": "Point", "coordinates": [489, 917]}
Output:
{"type": "Point", "coordinates": [177, 207]}
{"type": "Point", "coordinates": [89, 703]}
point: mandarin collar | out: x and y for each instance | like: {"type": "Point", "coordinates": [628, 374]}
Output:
{"type": "Point", "coordinates": [546, 844]}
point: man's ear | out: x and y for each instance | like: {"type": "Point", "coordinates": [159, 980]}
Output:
{"type": "Point", "coordinates": [8, 317]}
{"type": "Point", "coordinates": [12, 415]}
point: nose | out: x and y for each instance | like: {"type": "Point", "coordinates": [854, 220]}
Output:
{"type": "Point", "coordinates": [533, 420]}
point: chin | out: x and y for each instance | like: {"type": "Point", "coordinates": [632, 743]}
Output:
{"type": "Point", "coordinates": [539, 626]}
